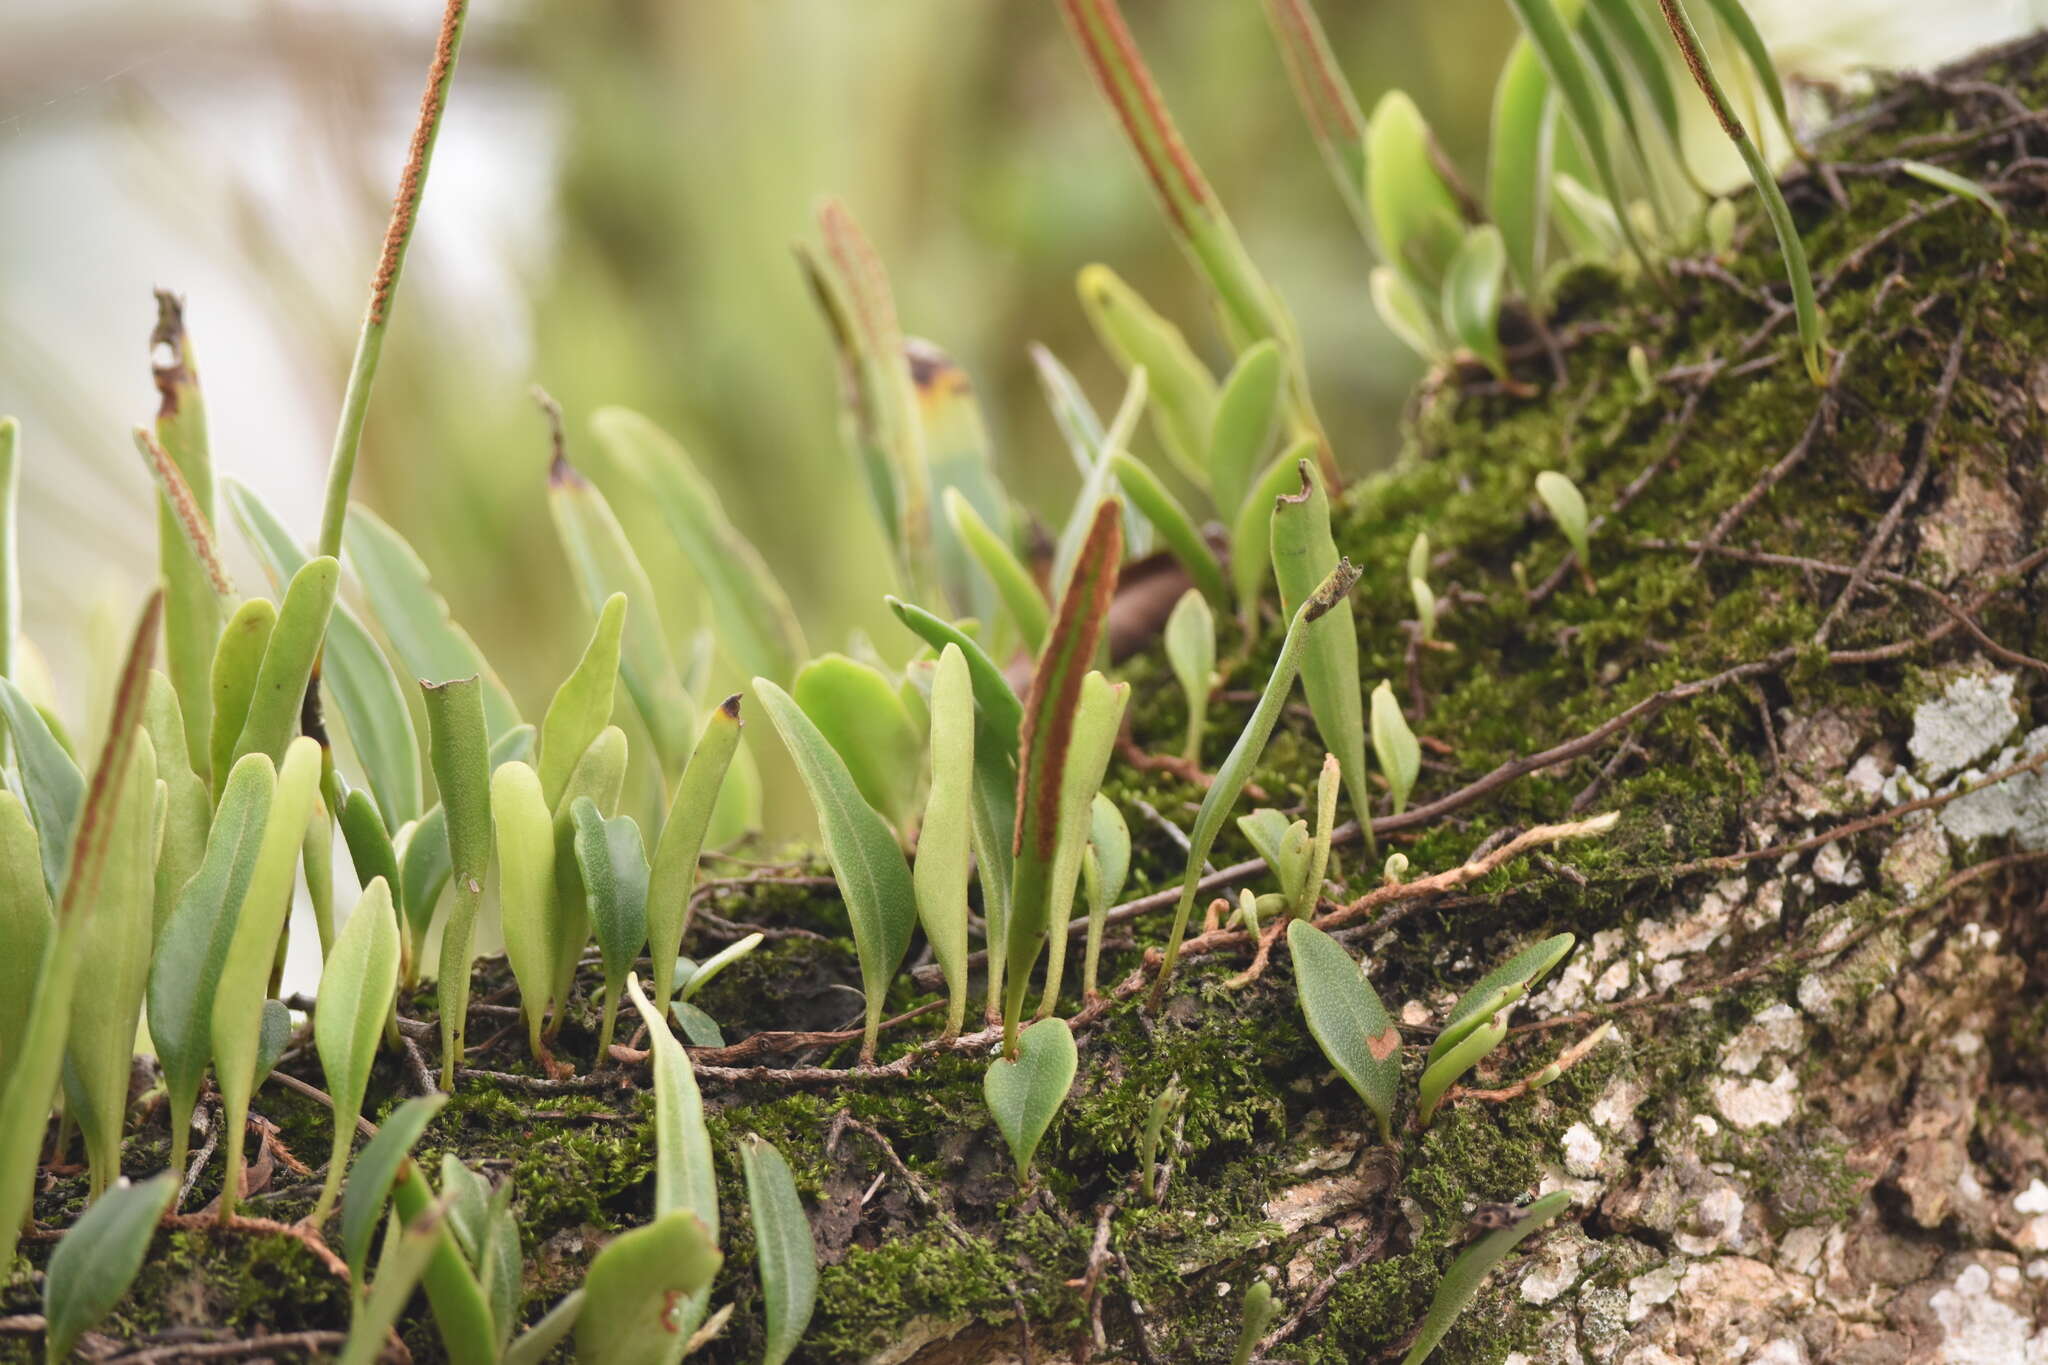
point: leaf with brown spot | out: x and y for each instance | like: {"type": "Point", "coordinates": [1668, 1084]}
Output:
{"type": "Point", "coordinates": [1348, 1021]}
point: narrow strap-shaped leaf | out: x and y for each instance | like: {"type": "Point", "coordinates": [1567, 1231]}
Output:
{"type": "Point", "coordinates": [1416, 216]}
{"type": "Point", "coordinates": [582, 705]}
{"type": "Point", "coordinates": [1103, 872]}
{"type": "Point", "coordinates": [236, 1009]}
{"type": "Point", "coordinates": [288, 660]}
{"type": "Point", "coordinates": [1304, 555]}
{"type": "Point", "coordinates": [1734, 17]}
{"type": "Point", "coordinates": [1518, 162]}
{"type": "Point", "coordinates": [407, 1253]}
{"type": "Point", "coordinates": [1049, 712]}
{"type": "Point", "coordinates": [1100, 482]}
{"type": "Point", "coordinates": [1236, 768]}
{"type": "Point", "coordinates": [423, 865]}
{"type": "Point", "coordinates": [356, 989]}
{"type": "Point", "coordinates": [1962, 186]}
{"type": "Point", "coordinates": [1025, 1091]}
{"type": "Point", "coordinates": [1347, 1019]}
{"type": "Point", "coordinates": [940, 876]}
{"type": "Point", "coordinates": [1251, 534]}
{"type": "Point", "coordinates": [192, 605]}
{"type": "Point", "coordinates": [1325, 98]}
{"type": "Point", "coordinates": [605, 565]}
{"type": "Point", "coordinates": [1180, 387]}
{"type": "Point", "coordinates": [414, 618]}
{"type": "Point", "coordinates": [1247, 416]}
{"type": "Point", "coordinates": [956, 443]}
{"type": "Point", "coordinates": [1173, 523]}
{"type": "Point", "coordinates": [98, 1259]}
{"type": "Point", "coordinates": [188, 803]}
{"type": "Point", "coordinates": [637, 1296]}
{"type": "Point", "coordinates": [612, 860]}
{"type": "Point", "coordinates": [237, 659]}
{"type": "Point", "coordinates": [683, 1174]}
{"type": "Point", "coordinates": [537, 1343]}
{"type": "Point", "coordinates": [353, 671]}
{"type": "Point", "coordinates": [756, 623]}
{"type": "Point", "coordinates": [1461, 1282]}
{"type": "Point", "coordinates": [459, 747]}
{"type": "Point", "coordinates": [783, 1246]}
{"type": "Point", "coordinates": [994, 699]}
{"type": "Point", "coordinates": [31, 1078]}
{"type": "Point", "coordinates": [874, 880]}
{"type": "Point", "coordinates": [1443, 1068]}
{"type": "Point", "coordinates": [673, 877]}
{"type": "Point", "coordinates": [1504, 984]}
{"type": "Point", "coordinates": [1098, 717]}
{"type": "Point", "coordinates": [376, 1168]}
{"type": "Point", "coordinates": [10, 544]}
{"type": "Point", "coordinates": [1471, 301]}
{"type": "Point", "coordinates": [1012, 582]}
{"type": "Point", "coordinates": [462, 1315]}
{"type": "Point", "coordinates": [25, 920]}
{"type": "Point", "coordinates": [1190, 642]}
{"type": "Point", "coordinates": [527, 906]}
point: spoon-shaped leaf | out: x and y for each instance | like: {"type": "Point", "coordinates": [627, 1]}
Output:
{"type": "Point", "coordinates": [1191, 653]}
{"type": "Point", "coordinates": [237, 658]}
{"type": "Point", "coordinates": [458, 745]}
{"type": "Point", "coordinates": [1472, 296]}
{"type": "Point", "coordinates": [1236, 768]}
{"type": "Point", "coordinates": [1098, 716]}
{"type": "Point", "coordinates": [527, 906]}
{"type": "Point", "coordinates": [1347, 1020]}
{"type": "Point", "coordinates": [24, 924]}
{"type": "Point", "coordinates": [1182, 390]}
{"type": "Point", "coordinates": [1568, 506]}
{"type": "Point", "coordinates": [356, 989]}
{"type": "Point", "coordinates": [1499, 988]}
{"type": "Point", "coordinates": [188, 801]}
{"type": "Point", "coordinates": [288, 659]}
{"type": "Point", "coordinates": [376, 1167]}
{"type": "Point", "coordinates": [1247, 416]}
{"type": "Point", "coordinates": [1461, 1282]}
{"type": "Point", "coordinates": [1251, 532]}
{"type": "Point", "coordinates": [1399, 753]}
{"type": "Point", "coordinates": [684, 1180]}
{"type": "Point", "coordinates": [183, 977]}
{"type": "Point", "coordinates": [600, 775]}
{"type": "Point", "coordinates": [940, 876]}
{"type": "Point", "coordinates": [1405, 312]}
{"type": "Point", "coordinates": [1025, 1092]}
{"type": "Point", "coordinates": [1414, 213]}
{"type": "Point", "coordinates": [756, 623]}
{"type": "Point", "coordinates": [1518, 162]}
{"type": "Point", "coordinates": [98, 1258]}
{"type": "Point", "coordinates": [862, 716]}
{"type": "Point", "coordinates": [50, 782]}
{"type": "Point", "coordinates": [674, 875]}
{"type": "Point", "coordinates": [1171, 520]}
{"type": "Point", "coordinates": [1103, 873]}
{"type": "Point", "coordinates": [1443, 1069]}
{"type": "Point", "coordinates": [783, 1244]}
{"type": "Point", "coordinates": [1304, 554]}
{"type": "Point", "coordinates": [637, 1295]}
{"type": "Point", "coordinates": [613, 862]}
{"type": "Point", "coordinates": [867, 862]}
{"type": "Point", "coordinates": [582, 705]}
{"type": "Point", "coordinates": [236, 1012]}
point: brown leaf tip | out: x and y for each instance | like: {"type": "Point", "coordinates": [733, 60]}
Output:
{"type": "Point", "coordinates": [1308, 487]}
{"type": "Point", "coordinates": [167, 352]}
{"type": "Point", "coordinates": [731, 706]}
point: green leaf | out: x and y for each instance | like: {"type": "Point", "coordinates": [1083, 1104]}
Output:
{"type": "Point", "coordinates": [1406, 313]}
{"type": "Point", "coordinates": [1962, 187]}
{"type": "Point", "coordinates": [1304, 554]}
{"type": "Point", "coordinates": [377, 1167]}
{"type": "Point", "coordinates": [704, 973]}
{"type": "Point", "coordinates": [956, 445]}
{"type": "Point", "coordinates": [527, 906]}
{"type": "Point", "coordinates": [98, 1259]}
{"type": "Point", "coordinates": [537, 1343]}
{"type": "Point", "coordinates": [460, 752]}
{"type": "Point", "coordinates": [1414, 213]}
{"type": "Point", "coordinates": [640, 1288]}
{"type": "Point", "coordinates": [462, 1315]}
{"type": "Point", "coordinates": [369, 845]}
{"type": "Point", "coordinates": [600, 775]}
{"type": "Point", "coordinates": [236, 1008]}
{"type": "Point", "coordinates": [996, 703]}
{"type": "Point", "coordinates": [940, 876]}
{"type": "Point", "coordinates": [674, 875]}
{"type": "Point", "coordinates": [605, 567]}
{"type": "Point", "coordinates": [1049, 711]}
{"type": "Point", "coordinates": [1472, 296]}
{"type": "Point", "coordinates": [613, 863]}
{"type": "Point", "coordinates": [1182, 391]}
{"type": "Point", "coordinates": [353, 670]}
{"type": "Point", "coordinates": [1518, 162]}
{"type": "Point", "coordinates": [288, 660]}
{"type": "Point", "coordinates": [10, 539]}
{"type": "Point", "coordinates": [25, 922]}
{"type": "Point", "coordinates": [1025, 1093]}
{"type": "Point", "coordinates": [408, 1250]}
{"type": "Point", "coordinates": [1499, 988]}
{"type": "Point", "coordinates": [1103, 873]}
{"type": "Point", "coordinates": [1568, 506]}
{"type": "Point", "coordinates": [51, 783]}
{"type": "Point", "coordinates": [1237, 766]}
{"type": "Point", "coordinates": [1311, 890]}
{"type": "Point", "coordinates": [237, 659]}
{"type": "Point", "coordinates": [115, 939]}
{"type": "Point", "coordinates": [684, 1180]}
{"type": "Point", "coordinates": [32, 1075]}
{"type": "Point", "coordinates": [874, 880]}
{"type": "Point", "coordinates": [188, 802]}
{"type": "Point", "coordinates": [1171, 520]}
{"type": "Point", "coordinates": [784, 1248]}
{"type": "Point", "coordinates": [1251, 534]}
{"type": "Point", "coordinates": [1347, 1020]}
{"type": "Point", "coordinates": [1443, 1070]}
{"type": "Point", "coordinates": [357, 986]}
{"type": "Point", "coordinates": [1260, 1313]}
{"type": "Point", "coordinates": [1013, 583]}
{"type": "Point", "coordinates": [1400, 756]}
{"type": "Point", "coordinates": [860, 714]}
{"type": "Point", "coordinates": [1099, 485]}
{"type": "Point", "coordinates": [1247, 416]}
{"type": "Point", "coordinates": [756, 623]}
{"type": "Point", "coordinates": [582, 705]}
{"type": "Point", "coordinates": [1191, 653]}
{"type": "Point", "coordinates": [193, 946]}
{"type": "Point", "coordinates": [192, 610]}
{"type": "Point", "coordinates": [1735, 18]}
{"type": "Point", "coordinates": [1564, 63]}
{"type": "Point", "coordinates": [1098, 716]}
{"type": "Point", "coordinates": [414, 617]}
{"type": "Point", "coordinates": [1270, 832]}
{"type": "Point", "coordinates": [423, 864]}
{"type": "Point", "coordinates": [1462, 1281]}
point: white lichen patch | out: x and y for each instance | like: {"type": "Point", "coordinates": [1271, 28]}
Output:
{"type": "Point", "coordinates": [1695, 930]}
{"type": "Point", "coordinates": [1833, 865]}
{"type": "Point", "coordinates": [1715, 1224]}
{"type": "Point", "coordinates": [1775, 1029]}
{"type": "Point", "coordinates": [2016, 807]}
{"type": "Point", "coordinates": [1554, 1268]}
{"type": "Point", "coordinates": [1582, 1150]}
{"type": "Point", "coordinates": [1757, 1104]}
{"type": "Point", "coordinates": [1972, 714]}
{"type": "Point", "coordinates": [1981, 1325]}
{"type": "Point", "coordinates": [1649, 1290]}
